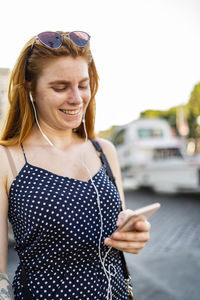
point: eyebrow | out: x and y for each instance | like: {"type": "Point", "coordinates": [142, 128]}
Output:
{"type": "Point", "coordinates": [67, 82]}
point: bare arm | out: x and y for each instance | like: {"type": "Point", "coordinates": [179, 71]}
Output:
{"type": "Point", "coordinates": [131, 242]}
{"type": "Point", "coordinates": [5, 285]}
{"type": "Point", "coordinates": [6, 292]}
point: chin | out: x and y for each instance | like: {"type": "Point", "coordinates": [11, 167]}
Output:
{"type": "Point", "coordinates": [74, 125]}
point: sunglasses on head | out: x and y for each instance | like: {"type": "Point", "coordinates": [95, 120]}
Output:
{"type": "Point", "coordinates": [54, 40]}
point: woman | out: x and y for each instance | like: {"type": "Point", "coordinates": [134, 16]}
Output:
{"type": "Point", "coordinates": [55, 190]}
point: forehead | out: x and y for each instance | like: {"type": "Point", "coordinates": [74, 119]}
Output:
{"type": "Point", "coordinates": [64, 68]}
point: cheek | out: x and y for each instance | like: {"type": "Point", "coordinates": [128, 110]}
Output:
{"type": "Point", "coordinates": [87, 97]}
{"type": "Point", "coordinates": [44, 103]}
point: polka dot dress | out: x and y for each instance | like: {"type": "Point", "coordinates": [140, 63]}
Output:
{"type": "Point", "coordinates": [56, 225]}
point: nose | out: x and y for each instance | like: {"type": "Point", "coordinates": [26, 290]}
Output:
{"type": "Point", "coordinates": [74, 96]}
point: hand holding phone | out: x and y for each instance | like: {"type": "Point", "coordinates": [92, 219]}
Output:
{"type": "Point", "coordinates": [138, 214]}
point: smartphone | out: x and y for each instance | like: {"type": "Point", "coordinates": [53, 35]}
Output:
{"type": "Point", "coordinates": [142, 213]}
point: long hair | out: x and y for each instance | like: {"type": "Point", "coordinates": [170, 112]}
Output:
{"type": "Point", "coordinates": [20, 116]}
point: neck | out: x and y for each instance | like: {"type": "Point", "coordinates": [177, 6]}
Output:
{"type": "Point", "coordinates": [56, 138]}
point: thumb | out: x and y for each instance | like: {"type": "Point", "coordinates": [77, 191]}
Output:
{"type": "Point", "coordinates": [123, 215]}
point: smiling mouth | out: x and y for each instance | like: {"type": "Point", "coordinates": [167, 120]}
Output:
{"type": "Point", "coordinates": [70, 112]}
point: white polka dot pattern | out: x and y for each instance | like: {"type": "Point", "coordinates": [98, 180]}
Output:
{"type": "Point", "coordinates": [56, 225]}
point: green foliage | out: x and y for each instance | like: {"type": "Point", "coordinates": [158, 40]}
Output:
{"type": "Point", "coordinates": [194, 101]}
{"type": "Point", "coordinates": [106, 134]}
{"type": "Point", "coordinates": [191, 109]}
{"type": "Point", "coordinates": [169, 115]}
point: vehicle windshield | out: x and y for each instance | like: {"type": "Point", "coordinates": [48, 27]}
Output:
{"type": "Point", "coordinates": [149, 133]}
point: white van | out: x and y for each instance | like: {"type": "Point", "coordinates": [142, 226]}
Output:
{"type": "Point", "coordinates": [151, 156]}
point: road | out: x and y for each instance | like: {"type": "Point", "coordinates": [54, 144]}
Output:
{"type": "Point", "coordinates": [168, 268]}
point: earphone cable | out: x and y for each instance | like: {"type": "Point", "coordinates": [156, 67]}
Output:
{"type": "Point", "coordinates": [107, 272]}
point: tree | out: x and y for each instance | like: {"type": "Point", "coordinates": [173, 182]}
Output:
{"type": "Point", "coordinates": [193, 111]}
{"type": "Point", "coordinates": [168, 115]}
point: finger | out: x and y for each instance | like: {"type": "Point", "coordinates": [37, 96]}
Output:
{"type": "Point", "coordinates": [131, 236]}
{"type": "Point", "coordinates": [133, 251]}
{"type": "Point", "coordinates": [142, 225]}
{"type": "Point", "coordinates": [121, 245]}
{"type": "Point", "coordinates": [131, 248]}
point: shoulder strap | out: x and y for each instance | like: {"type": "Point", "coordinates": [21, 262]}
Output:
{"type": "Point", "coordinates": [11, 162]}
{"type": "Point", "coordinates": [23, 152]}
{"type": "Point", "coordinates": [104, 160]}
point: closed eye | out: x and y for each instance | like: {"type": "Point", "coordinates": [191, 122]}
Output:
{"type": "Point", "coordinates": [62, 88]}
{"type": "Point", "coordinates": [83, 87]}
{"type": "Point", "coordinates": [59, 89]}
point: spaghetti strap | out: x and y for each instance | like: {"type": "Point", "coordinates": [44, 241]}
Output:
{"type": "Point", "coordinates": [23, 152]}
{"type": "Point", "coordinates": [39, 199]}
{"type": "Point", "coordinates": [104, 160]}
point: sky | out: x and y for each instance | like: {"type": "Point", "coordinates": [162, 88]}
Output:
{"type": "Point", "coordinates": [147, 52]}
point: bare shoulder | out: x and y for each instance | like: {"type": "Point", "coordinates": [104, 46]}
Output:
{"type": "Point", "coordinates": [111, 154]}
{"type": "Point", "coordinates": [3, 159]}
{"type": "Point", "coordinates": [107, 146]}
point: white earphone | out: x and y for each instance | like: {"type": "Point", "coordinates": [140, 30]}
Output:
{"type": "Point", "coordinates": [102, 260]}
{"type": "Point", "coordinates": [36, 119]}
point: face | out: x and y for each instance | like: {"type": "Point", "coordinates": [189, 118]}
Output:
{"type": "Point", "coordinates": [63, 92]}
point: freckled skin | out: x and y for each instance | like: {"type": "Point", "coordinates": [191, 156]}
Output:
{"type": "Point", "coordinates": [72, 94]}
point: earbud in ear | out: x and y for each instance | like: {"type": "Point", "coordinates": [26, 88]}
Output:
{"type": "Point", "coordinates": [83, 118]}
{"type": "Point", "coordinates": [30, 95]}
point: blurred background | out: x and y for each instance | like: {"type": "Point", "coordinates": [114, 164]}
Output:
{"type": "Point", "coordinates": [148, 105]}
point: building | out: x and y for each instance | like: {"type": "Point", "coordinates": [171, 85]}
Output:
{"type": "Point", "coordinates": [4, 77]}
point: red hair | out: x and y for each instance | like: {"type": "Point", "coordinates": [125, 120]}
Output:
{"type": "Point", "coordinates": [20, 116]}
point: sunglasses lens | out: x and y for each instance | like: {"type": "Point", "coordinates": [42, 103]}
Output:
{"type": "Point", "coordinates": [80, 38]}
{"type": "Point", "coordinates": [50, 39]}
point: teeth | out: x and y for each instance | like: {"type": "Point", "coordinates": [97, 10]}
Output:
{"type": "Point", "coordinates": [71, 112]}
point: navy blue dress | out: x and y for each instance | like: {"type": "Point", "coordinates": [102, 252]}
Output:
{"type": "Point", "coordinates": [56, 225]}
